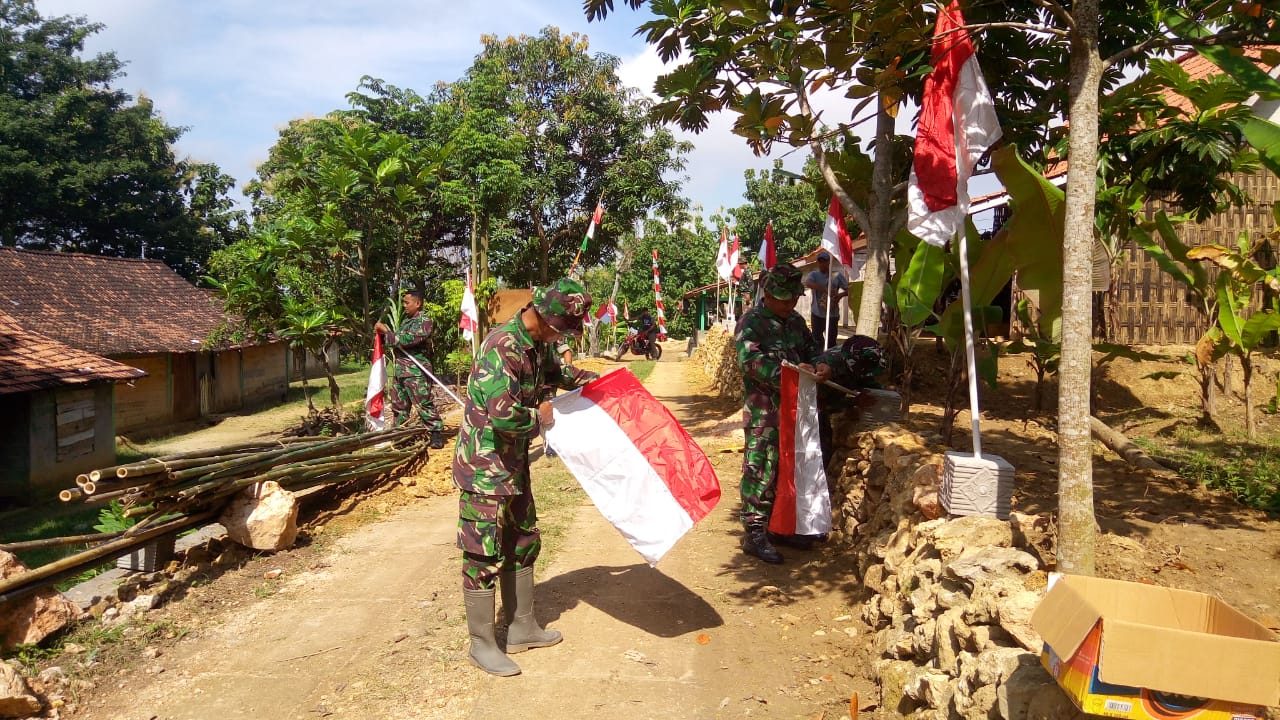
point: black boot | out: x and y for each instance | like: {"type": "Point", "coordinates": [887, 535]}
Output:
{"type": "Point", "coordinates": [437, 439]}
{"type": "Point", "coordinates": [523, 630]}
{"type": "Point", "coordinates": [800, 542]}
{"type": "Point", "coordinates": [485, 653]}
{"type": "Point", "coordinates": [755, 541]}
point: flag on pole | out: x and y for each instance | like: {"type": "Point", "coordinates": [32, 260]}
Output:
{"type": "Point", "coordinates": [607, 313]}
{"type": "Point", "coordinates": [591, 229]}
{"type": "Point", "coordinates": [723, 268]}
{"type": "Point", "coordinates": [957, 126]}
{"type": "Point", "coordinates": [469, 321]}
{"type": "Point", "coordinates": [768, 251]}
{"type": "Point", "coordinates": [626, 310]}
{"type": "Point", "coordinates": [375, 416]}
{"type": "Point", "coordinates": [640, 468]}
{"type": "Point", "coordinates": [835, 236]}
{"type": "Point", "coordinates": [802, 505]}
{"type": "Point", "coordinates": [657, 299]}
{"type": "Point", "coordinates": [735, 258]}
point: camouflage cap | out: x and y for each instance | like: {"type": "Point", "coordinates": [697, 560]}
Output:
{"type": "Point", "coordinates": [783, 282]}
{"type": "Point", "coordinates": [563, 304]}
{"type": "Point", "coordinates": [864, 358]}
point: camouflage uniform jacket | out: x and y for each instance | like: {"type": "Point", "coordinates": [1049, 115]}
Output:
{"type": "Point", "coordinates": [412, 337]}
{"type": "Point", "coordinates": [512, 374]}
{"type": "Point", "coordinates": [764, 341]}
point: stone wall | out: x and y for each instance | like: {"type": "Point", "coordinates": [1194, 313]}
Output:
{"type": "Point", "coordinates": [716, 360]}
{"type": "Point", "coordinates": [949, 600]}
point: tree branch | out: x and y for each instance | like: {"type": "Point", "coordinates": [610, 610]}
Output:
{"type": "Point", "coordinates": [1165, 41]}
{"type": "Point", "coordinates": [1058, 11]}
{"type": "Point", "coordinates": [980, 27]}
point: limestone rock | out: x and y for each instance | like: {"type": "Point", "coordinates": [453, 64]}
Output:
{"type": "Point", "coordinates": [932, 689]}
{"type": "Point", "coordinates": [972, 531]}
{"type": "Point", "coordinates": [1014, 615]}
{"type": "Point", "coordinates": [32, 618]}
{"type": "Point", "coordinates": [263, 517]}
{"type": "Point", "coordinates": [997, 664]}
{"type": "Point", "coordinates": [982, 704]}
{"type": "Point", "coordinates": [947, 640]}
{"type": "Point", "coordinates": [1014, 695]}
{"type": "Point", "coordinates": [980, 564]}
{"type": "Point", "coordinates": [16, 699]}
{"type": "Point", "coordinates": [1051, 703]}
{"type": "Point", "coordinates": [894, 676]}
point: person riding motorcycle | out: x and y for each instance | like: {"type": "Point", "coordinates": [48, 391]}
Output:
{"type": "Point", "coordinates": [648, 331]}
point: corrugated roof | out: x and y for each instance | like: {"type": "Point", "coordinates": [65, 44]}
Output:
{"type": "Point", "coordinates": [106, 305]}
{"type": "Point", "coordinates": [30, 361]}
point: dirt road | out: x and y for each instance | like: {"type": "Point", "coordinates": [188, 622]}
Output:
{"type": "Point", "coordinates": [371, 625]}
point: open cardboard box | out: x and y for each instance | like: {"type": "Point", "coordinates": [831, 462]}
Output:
{"type": "Point", "coordinates": [1125, 649]}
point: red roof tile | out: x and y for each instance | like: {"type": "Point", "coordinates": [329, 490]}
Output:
{"type": "Point", "coordinates": [106, 305]}
{"type": "Point", "coordinates": [29, 361]}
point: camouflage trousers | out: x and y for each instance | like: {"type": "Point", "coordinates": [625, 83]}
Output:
{"type": "Point", "coordinates": [409, 392]}
{"type": "Point", "coordinates": [759, 474]}
{"type": "Point", "coordinates": [496, 533]}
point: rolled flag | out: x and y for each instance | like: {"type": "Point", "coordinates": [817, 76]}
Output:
{"type": "Point", "coordinates": [640, 468]}
{"type": "Point", "coordinates": [835, 236]}
{"type": "Point", "coordinates": [375, 416]}
{"type": "Point", "coordinates": [768, 251]}
{"type": "Point", "coordinates": [723, 268]}
{"type": "Point", "coordinates": [469, 322]}
{"type": "Point", "coordinates": [802, 504]}
{"type": "Point", "coordinates": [957, 126]}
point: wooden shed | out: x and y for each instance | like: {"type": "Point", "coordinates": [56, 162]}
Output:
{"type": "Point", "coordinates": [141, 313]}
{"type": "Point", "coordinates": [56, 412]}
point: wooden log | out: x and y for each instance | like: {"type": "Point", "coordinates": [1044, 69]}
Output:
{"type": "Point", "coordinates": [1125, 448]}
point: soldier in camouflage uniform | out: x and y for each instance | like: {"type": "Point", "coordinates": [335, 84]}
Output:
{"type": "Point", "coordinates": [854, 365]}
{"type": "Point", "coordinates": [410, 387]}
{"type": "Point", "coordinates": [566, 358]}
{"type": "Point", "coordinates": [506, 406]}
{"type": "Point", "coordinates": [767, 335]}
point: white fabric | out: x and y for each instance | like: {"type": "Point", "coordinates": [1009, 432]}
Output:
{"type": "Point", "coordinates": [813, 498]}
{"type": "Point", "coordinates": [470, 319]}
{"type": "Point", "coordinates": [723, 268]}
{"type": "Point", "coordinates": [377, 383]}
{"type": "Point", "coordinates": [616, 476]}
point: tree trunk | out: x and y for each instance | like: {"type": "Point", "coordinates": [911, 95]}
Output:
{"type": "Point", "coordinates": [306, 392]}
{"type": "Point", "coordinates": [1246, 371]}
{"type": "Point", "coordinates": [335, 393]}
{"type": "Point", "coordinates": [879, 235]}
{"type": "Point", "coordinates": [951, 409]}
{"type": "Point", "coordinates": [482, 273]}
{"type": "Point", "coordinates": [1208, 394]}
{"type": "Point", "coordinates": [1076, 521]}
{"type": "Point", "coordinates": [544, 244]}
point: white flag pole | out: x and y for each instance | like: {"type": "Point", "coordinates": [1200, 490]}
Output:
{"type": "Point", "coordinates": [826, 316]}
{"type": "Point", "coordinates": [968, 343]}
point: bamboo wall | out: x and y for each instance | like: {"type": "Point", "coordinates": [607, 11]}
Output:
{"type": "Point", "coordinates": [1154, 309]}
{"type": "Point", "coordinates": [71, 431]}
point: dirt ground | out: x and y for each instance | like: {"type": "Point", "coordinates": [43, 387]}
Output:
{"type": "Point", "coordinates": [365, 617]}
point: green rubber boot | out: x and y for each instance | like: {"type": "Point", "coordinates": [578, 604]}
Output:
{"type": "Point", "coordinates": [523, 631]}
{"type": "Point", "coordinates": [485, 653]}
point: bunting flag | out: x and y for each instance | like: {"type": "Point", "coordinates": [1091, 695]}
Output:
{"type": "Point", "coordinates": [375, 416]}
{"type": "Point", "coordinates": [591, 229]}
{"type": "Point", "coordinates": [768, 251]}
{"type": "Point", "coordinates": [835, 236]}
{"type": "Point", "coordinates": [657, 299]}
{"type": "Point", "coordinates": [735, 257]}
{"type": "Point", "coordinates": [640, 468]}
{"type": "Point", "coordinates": [802, 505]}
{"type": "Point", "coordinates": [607, 313]}
{"type": "Point", "coordinates": [723, 268]}
{"type": "Point", "coordinates": [469, 321]}
{"type": "Point", "coordinates": [957, 126]}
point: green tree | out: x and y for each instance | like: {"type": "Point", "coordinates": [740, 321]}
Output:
{"type": "Point", "coordinates": [85, 168]}
{"type": "Point", "coordinates": [789, 202]}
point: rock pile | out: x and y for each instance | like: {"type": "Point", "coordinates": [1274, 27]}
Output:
{"type": "Point", "coordinates": [717, 361]}
{"type": "Point", "coordinates": [950, 599]}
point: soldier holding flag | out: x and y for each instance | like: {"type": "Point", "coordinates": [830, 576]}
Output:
{"type": "Point", "coordinates": [411, 388]}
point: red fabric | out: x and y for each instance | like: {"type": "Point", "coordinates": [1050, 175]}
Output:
{"type": "Point", "coordinates": [783, 519]}
{"type": "Point", "coordinates": [734, 258]}
{"type": "Point", "coordinates": [935, 152]}
{"type": "Point", "coordinates": [598, 216]}
{"type": "Point", "coordinates": [837, 241]}
{"type": "Point", "coordinates": [769, 251]}
{"type": "Point", "coordinates": [374, 406]}
{"type": "Point", "coordinates": [651, 427]}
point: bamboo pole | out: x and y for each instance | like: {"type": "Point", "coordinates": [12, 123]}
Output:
{"type": "Point", "coordinates": [70, 494]}
{"type": "Point", "coordinates": [58, 541]}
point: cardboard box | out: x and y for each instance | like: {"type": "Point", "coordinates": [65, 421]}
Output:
{"type": "Point", "coordinates": [1123, 649]}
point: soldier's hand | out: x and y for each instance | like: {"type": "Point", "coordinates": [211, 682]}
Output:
{"type": "Point", "coordinates": [545, 416]}
{"type": "Point", "coordinates": [806, 367]}
{"type": "Point", "coordinates": [379, 327]}
{"type": "Point", "coordinates": [823, 372]}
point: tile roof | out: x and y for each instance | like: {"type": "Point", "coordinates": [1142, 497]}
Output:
{"type": "Point", "coordinates": [106, 305]}
{"type": "Point", "coordinates": [29, 361]}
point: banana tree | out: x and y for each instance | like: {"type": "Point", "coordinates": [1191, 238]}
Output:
{"type": "Point", "coordinates": [1241, 330]}
{"type": "Point", "coordinates": [912, 294]}
{"type": "Point", "coordinates": [312, 329]}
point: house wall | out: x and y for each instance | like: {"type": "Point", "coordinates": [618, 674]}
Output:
{"type": "Point", "coordinates": [264, 369]}
{"type": "Point", "coordinates": [145, 402]}
{"type": "Point", "coordinates": [315, 369]}
{"type": "Point", "coordinates": [223, 381]}
{"type": "Point", "coordinates": [72, 430]}
{"type": "Point", "coordinates": [15, 447]}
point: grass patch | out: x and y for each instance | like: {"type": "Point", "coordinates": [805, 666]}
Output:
{"type": "Point", "coordinates": [48, 521]}
{"type": "Point", "coordinates": [642, 369]}
{"type": "Point", "coordinates": [1249, 471]}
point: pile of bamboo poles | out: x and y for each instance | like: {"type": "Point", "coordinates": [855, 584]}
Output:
{"type": "Point", "coordinates": [171, 492]}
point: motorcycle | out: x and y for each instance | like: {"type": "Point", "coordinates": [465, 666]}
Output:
{"type": "Point", "coordinates": [641, 343]}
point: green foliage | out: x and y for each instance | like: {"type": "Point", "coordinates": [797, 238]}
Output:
{"type": "Point", "coordinates": [1250, 474]}
{"type": "Point", "coordinates": [790, 203]}
{"type": "Point", "coordinates": [642, 369]}
{"type": "Point", "coordinates": [111, 519]}
{"type": "Point", "coordinates": [85, 168]}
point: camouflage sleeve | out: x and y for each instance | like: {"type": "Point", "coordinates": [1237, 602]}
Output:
{"type": "Point", "coordinates": [833, 357]}
{"type": "Point", "coordinates": [565, 377]}
{"type": "Point", "coordinates": [755, 363]}
{"type": "Point", "coordinates": [495, 387]}
{"type": "Point", "coordinates": [411, 335]}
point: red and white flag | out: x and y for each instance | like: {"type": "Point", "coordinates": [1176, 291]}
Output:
{"type": "Point", "coordinates": [375, 416]}
{"type": "Point", "coordinates": [735, 257]}
{"type": "Point", "coordinates": [723, 268]}
{"type": "Point", "coordinates": [802, 505]}
{"type": "Point", "coordinates": [470, 319]}
{"type": "Point", "coordinates": [957, 126]}
{"type": "Point", "coordinates": [607, 313]}
{"type": "Point", "coordinates": [768, 251]}
{"type": "Point", "coordinates": [835, 236]}
{"type": "Point", "coordinates": [640, 468]}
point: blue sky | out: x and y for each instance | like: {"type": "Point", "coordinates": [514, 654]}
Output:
{"type": "Point", "coordinates": [235, 71]}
